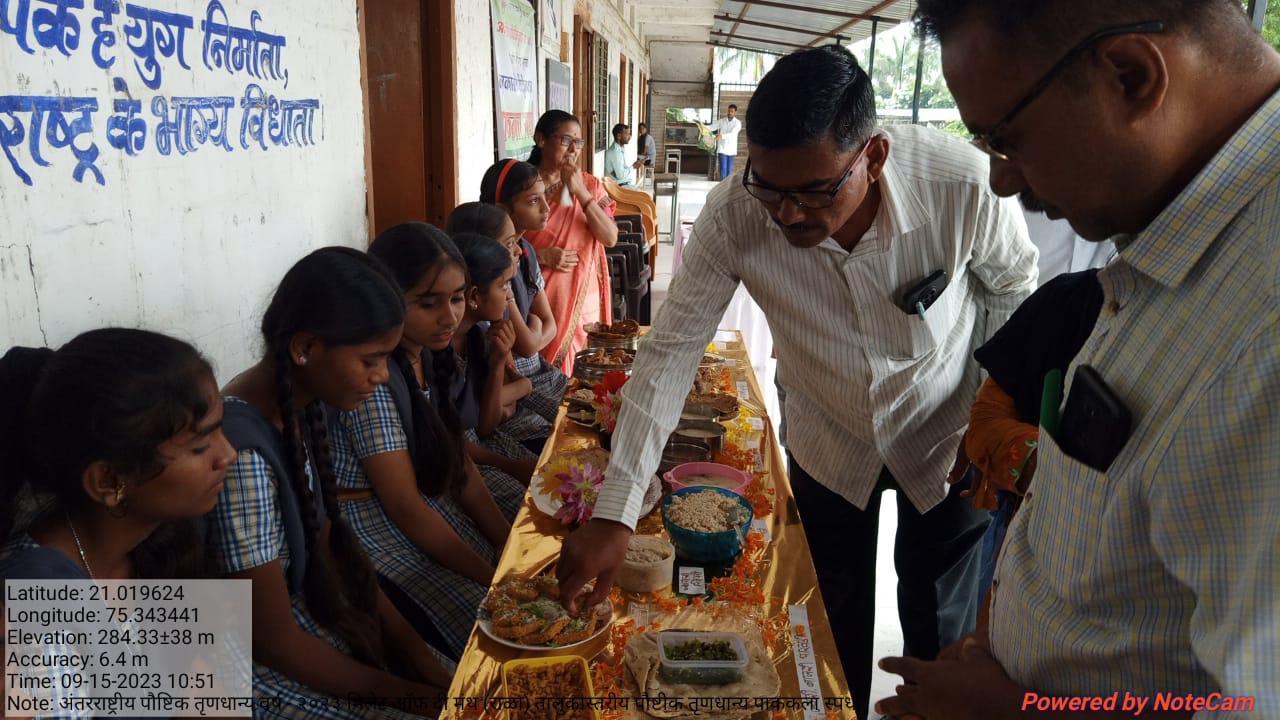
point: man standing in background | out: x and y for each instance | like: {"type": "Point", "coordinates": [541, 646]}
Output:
{"type": "Point", "coordinates": [726, 130]}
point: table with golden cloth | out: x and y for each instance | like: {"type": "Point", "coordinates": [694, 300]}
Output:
{"type": "Point", "coordinates": [785, 574]}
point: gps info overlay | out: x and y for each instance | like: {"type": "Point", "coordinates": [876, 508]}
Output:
{"type": "Point", "coordinates": [143, 648]}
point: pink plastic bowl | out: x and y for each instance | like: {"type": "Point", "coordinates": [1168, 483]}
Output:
{"type": "Point", "coordinates": [676, 476]}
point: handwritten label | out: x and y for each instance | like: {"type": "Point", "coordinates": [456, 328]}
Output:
{"type": "Point", "coordinates": [806, 662]}
{"type": "Point", "coordinates": [639, 612]}
{"type": "Point", "coordinates": [744, 390]}
{"type": "Point", "coordinates": [720, 345]}
{"type": "Point", "coordinates": [692, 581]}
{"type": "Point", "coordinates": [757, 424]}
{"type": "Point", "coordinates": [760, 525]}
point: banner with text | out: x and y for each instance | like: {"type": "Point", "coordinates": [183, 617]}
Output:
{"type": "Point", "coordinates": [515, 69]}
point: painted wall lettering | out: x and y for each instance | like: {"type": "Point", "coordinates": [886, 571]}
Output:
{"type": "Point", "coordinates": [142, 118]}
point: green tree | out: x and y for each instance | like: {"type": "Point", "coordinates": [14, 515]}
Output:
{"type": "Point", "coordinates": [736, 65]}
{"type": "Point", "coordinates": [1271, 24]}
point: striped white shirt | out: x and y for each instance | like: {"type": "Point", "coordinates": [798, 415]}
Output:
{"type": "Point", "coordinates": [867, 384]}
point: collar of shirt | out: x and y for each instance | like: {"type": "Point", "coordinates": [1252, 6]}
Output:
{"type": "Point", "coordinates": [901, 211]}
{"type": "Point", "coordinates": [1169, 248]}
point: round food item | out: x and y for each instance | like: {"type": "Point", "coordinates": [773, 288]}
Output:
{"type": "Point", "coordinates": [707, 511]}
{"type": "Point", "coordinates": [647, 565]}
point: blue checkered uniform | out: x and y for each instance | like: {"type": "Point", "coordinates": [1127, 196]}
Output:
{"type": "Point", "coordinates": [447, 598]}
{"type": "Point", "coordinates": [246, 531]}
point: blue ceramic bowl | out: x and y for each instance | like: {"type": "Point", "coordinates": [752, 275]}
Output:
{"type": "Point", "coordinates": [707, 547]}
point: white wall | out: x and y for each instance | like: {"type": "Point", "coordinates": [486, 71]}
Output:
{"type": "Point", "coordinates": [191, 243]}
{"type": "Point", "coordinates": [685, 61]}
{"type": "Point", "coordinates": [613, 21]}
{"type": "Point", "coordinates": [474, 43]}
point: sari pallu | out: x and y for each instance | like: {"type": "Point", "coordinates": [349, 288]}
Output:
{"type": "Point", "coordinates": [581, 295]}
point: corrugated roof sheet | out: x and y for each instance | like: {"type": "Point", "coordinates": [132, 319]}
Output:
{"type": "Point", "coordinates": [782, 26]}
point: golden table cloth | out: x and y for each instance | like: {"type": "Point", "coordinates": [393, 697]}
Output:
{"type": "Point", "coordinates": [785, 573]}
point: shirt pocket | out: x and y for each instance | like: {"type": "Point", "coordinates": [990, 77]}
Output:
{"type": "Point", "coordinates": [911, 337]}
{"type": "Point", "coordinates": [1068, 501]}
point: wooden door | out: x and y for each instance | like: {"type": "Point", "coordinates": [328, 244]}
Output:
{"type": "Point", "coordinates": [584, 89]}
{"type": "Point", "coordinates": [409, 74]}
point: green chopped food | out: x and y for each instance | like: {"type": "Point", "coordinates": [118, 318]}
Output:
{"type": "Point", "coordinates": [718, 650]}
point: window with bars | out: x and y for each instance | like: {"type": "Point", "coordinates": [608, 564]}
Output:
{"type": "Point", "coordinates": [600, 104]}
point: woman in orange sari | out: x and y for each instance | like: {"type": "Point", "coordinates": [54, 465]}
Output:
{"type": "Point", "coordinates": [571, 247]}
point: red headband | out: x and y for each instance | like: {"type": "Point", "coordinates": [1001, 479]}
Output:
{"type": "Point", "coordinates": [497, 192]}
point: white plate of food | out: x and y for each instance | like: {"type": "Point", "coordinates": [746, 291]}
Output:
{"type": "Point", "coordinates": [525, 614]}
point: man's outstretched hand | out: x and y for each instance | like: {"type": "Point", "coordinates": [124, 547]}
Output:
{"type": "Point", "coordinates": [593, 551]}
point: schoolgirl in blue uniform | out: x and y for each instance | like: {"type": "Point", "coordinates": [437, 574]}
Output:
{"type": "Point", "coordinates": [517, 188]}
{"type": "Point", "coordinates": [417, 503]}
{"type": "Point", "coordinates": [531, 318]}
{"type": "Point", "coordinates": [324, 634]}
{"type": "Point", "coordinates": [485, 386]}
{"type": "Point", "coordinates": [110, 449]}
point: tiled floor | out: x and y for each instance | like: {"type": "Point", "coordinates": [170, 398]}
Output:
{"type": "Point", "coordinates": [888, 637]}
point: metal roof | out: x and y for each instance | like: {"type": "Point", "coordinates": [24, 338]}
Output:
{"type": "Point", "coordinates": [783, 26]}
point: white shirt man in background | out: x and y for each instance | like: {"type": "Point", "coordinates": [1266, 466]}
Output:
{"type": "Point", "coordinates": [726, 130]}
{"type": "Point", "coordinates": [615, 157]}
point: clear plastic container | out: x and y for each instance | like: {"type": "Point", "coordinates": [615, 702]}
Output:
{"type": "Point", "coordinates": [701, 672]}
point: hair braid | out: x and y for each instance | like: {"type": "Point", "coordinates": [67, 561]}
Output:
{"type": "Point", "coordinates": [437, 463]}
{"type": "Point", "coordinates": [358, 580]}
{"type": "Point", "coordinates": [323, 594]}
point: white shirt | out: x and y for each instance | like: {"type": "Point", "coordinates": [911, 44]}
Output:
{"type": "Point", "coordinates": [1061, 249]}
{"type": "Point", "coordinates": [727, 140]}
{"type": "Point", "coordinates": [867, 384]}
{"type": "Point", "coordinates": [616, 165]}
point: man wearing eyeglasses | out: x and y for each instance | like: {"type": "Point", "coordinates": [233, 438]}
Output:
{"type": "Point", "coordinates": [1156, 124]}
{"type": "Point", "coordinates": [882, 260]}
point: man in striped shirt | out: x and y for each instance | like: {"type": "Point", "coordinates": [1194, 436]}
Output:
{"type": "Point", "coordinates": [831, 224]}
{"type": "Point", "coordinates": [1155, 580]}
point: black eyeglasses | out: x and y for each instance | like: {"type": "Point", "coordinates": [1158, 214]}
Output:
{"type": "Point", "coordinates": [570, 141]}
{"type": "Point", "coordinates": [802, 198]}
{"type": "Point", "coordinates": [990, 142]}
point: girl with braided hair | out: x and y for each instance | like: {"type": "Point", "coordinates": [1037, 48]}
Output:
{"type": "Point", "coordinates": [528, 310]}
{"type": "Point", "coordinates": [419, 506]}
{"type": "Point", "coordinates": [322, 628]}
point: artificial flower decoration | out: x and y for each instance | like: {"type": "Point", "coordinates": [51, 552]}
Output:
{"type": "Point", "coordinates": [579, 486]}
{"type": "Point", "coordinates": [607, 401]}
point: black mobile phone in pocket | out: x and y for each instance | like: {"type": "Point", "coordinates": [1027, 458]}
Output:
{"type": "Point", "coordinates": [923, 294]}
{"type": "Point", "coordinates": [1095, 423]}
